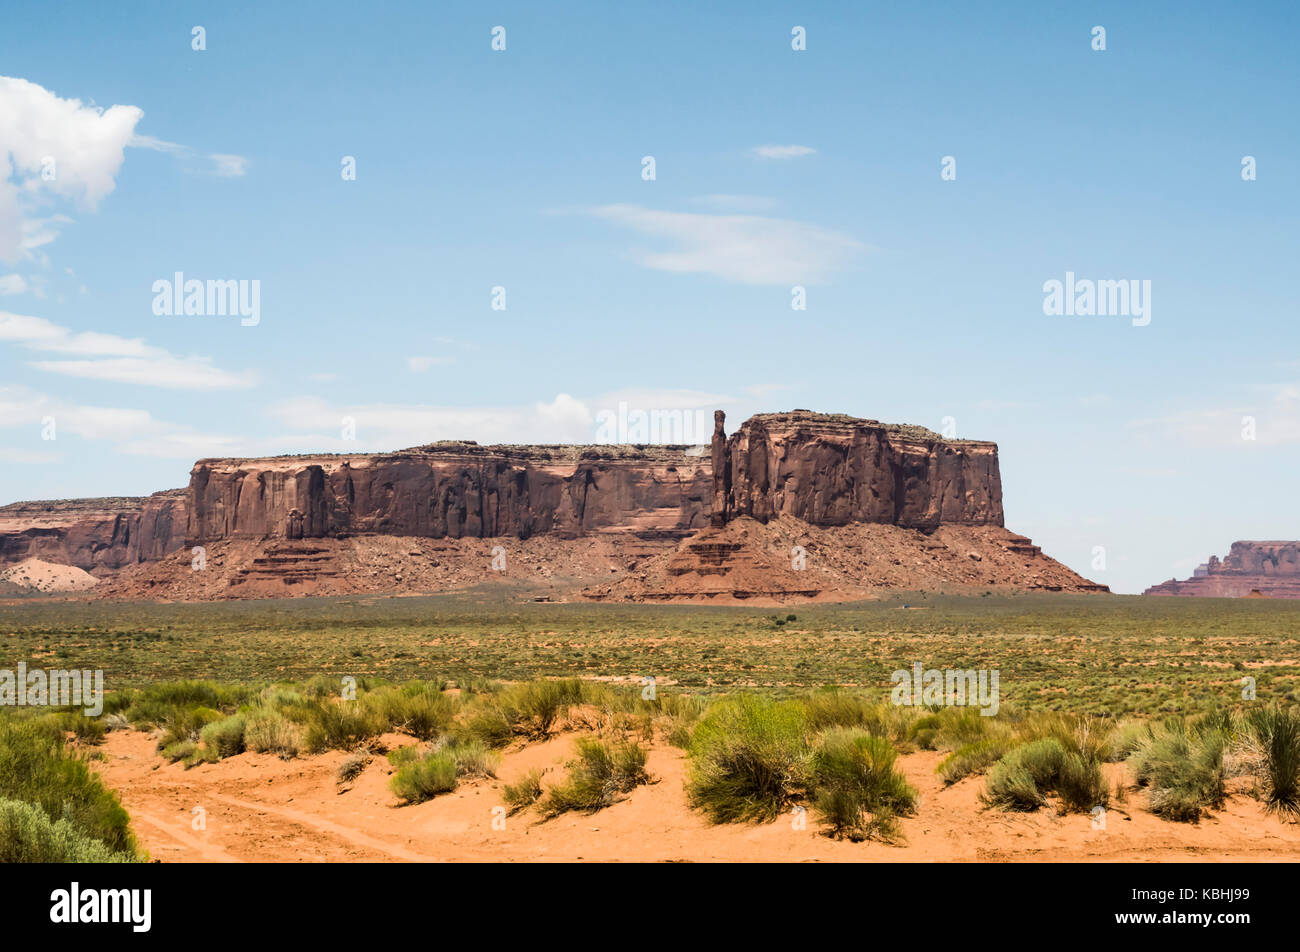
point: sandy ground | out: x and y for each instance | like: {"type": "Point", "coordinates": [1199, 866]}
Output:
{"type": "Point", "coordinates": [258, 808]}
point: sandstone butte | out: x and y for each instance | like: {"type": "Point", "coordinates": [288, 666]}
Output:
{"type": "Point", "coordinates": [796, 505]}
{"type": "Point", "coordinates": [1252, 569]}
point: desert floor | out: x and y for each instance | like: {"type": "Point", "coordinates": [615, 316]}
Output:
{"type": "Point", "coordinates": [259, 808]}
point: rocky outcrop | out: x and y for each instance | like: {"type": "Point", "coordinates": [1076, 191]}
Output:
{"type": "Point", "coordinates": [1267, 569]}
{"type": "Point", "coordinates": [872, 506]}
{"type": "Point", "coordinates": [821, 468]}
{"type": "Point", "coordinates": [454, 490]}
{"type": "Point", "coordinates": [97, 535]}
{"type": "Point", "coordinates": [832, 470]}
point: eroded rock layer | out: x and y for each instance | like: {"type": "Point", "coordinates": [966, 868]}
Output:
{"type": "Point", "coordinates": [1268, 569]}
{"type": "Point", "coordinates": [98, 536]}
{"type": "Point", "coordinates": [453, 490]}
{"type": "Point", "coordinates": [832, 470]}
{"type": "Point", "coordinates": [885, 506]}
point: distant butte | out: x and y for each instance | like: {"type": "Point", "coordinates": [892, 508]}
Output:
{"type": "Point", "coordinates": [871, 505]}
{"type": "Point", "coordinates": [1251, 570]}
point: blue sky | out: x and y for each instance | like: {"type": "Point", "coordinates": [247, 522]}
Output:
{"type": "Point", "coordinates": [522, 169]}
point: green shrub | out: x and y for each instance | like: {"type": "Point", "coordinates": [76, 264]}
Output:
{"type": "Point", "coordinates": [524, 792]}
{"type": "Point", "coordinates": [336, 725]}
{"type": "Point", "coordinates": [180, 750]}
{"type": "Point", "coordinates": [474, 760]}
{"type": "Point", "coordinates": [855, 787]}
{"type": "Point", "coordinates": [487, 725]}
{"type": "Point", "coordinates": [973, 758]}
{"type": "Point", "coordinates": [422, 779]}
{"type": "Point", "coordinates": [1023, 778]}
{"type": "Point", "coordinates": [599, 775]}
{"type": "Point", "coordinates": [533, 707]}
{"type": "Point", "coordinates": [28, 835]}
{"type": "Point", "coordinates": [225, 738]}
{"type": "Point", "coordinates": [267, 731]}
{"type": "Point", "coordinates": [749, 756]}
{"type": "Point", "coordinates": [419, 709]}
{"type": "Point", "coordinates": [1275, 733]}
{"type": "Point", "coordinates": [403, 755]}
{"type": "Point", "coordinates": [1182, 769]}
{"type": "Point", "coordinates": [37, 767]}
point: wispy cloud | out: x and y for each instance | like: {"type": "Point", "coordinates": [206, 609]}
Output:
{"type": "Point", "coordinates": [112, 358]}
{"type": "Point", "coordinates": [220, 164]}
{"type": "Point", "coordinates": [736, 203]}
{"type": "Point", "coordinates": [748, 249]}
{"type": "Point", "coordinates": [386, 426]}
{"type": "Point", "coordinates": [421, 364]}
{"type": "Point", "coordinates": [1272, 420]}
{"type": "Point", "coordinates": [133, 431]}
{"type": "Point", "coordinates": [13, 284]}
{"type": "Point", "coordinates": [782, 151]}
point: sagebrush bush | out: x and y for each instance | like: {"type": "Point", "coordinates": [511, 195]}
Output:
{"type": "Point", "coordinates": [441, 769]}
{"type": "Point", "coordinates": [267, 731]}
{"type": "Point", "coordinates": [749, 757]}
{"type": "Point", "coordinates": [532, 707]}
{"type": "Point", "coordinates": [336, 725]}
{"type": "Point", "coordinates": [600, 774]}
{"type": "Point", "coordinates": [28, 835]}
{"type": "Point", "coordinates": [351, 768]}
{"type": "Point", "coordinates": [1023, 778]}
{"type": "Point", "coordinates": [855, 787]}
{"type": "Point", "coordinates": [1182, 767]}
{"type": "Point", "coordinates": [524, 792]}
{"type": "Point", "coordinates": [426, 777]}
{"type": "Point", "coordinates": [1274, 733]}
{"type": "Point", "coordinates": [225, 738]}
{"type": "Point", "coordinates": [37, 767]}
{"type": "Point", "coordinates": [419, 708]}
{"type": "Point", "coordinates": [973, 758]}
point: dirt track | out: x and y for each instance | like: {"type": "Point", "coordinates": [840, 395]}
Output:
{"type": "Point", "coordinates": [259, 808]}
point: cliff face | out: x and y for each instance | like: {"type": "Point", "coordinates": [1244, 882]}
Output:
{"type": "Point", "coordinates": [453, 490]}
{"type": "Point", "coordinates": [826, 470]}
{"type": "Point", "coordinates": [1271, 569]}
{"type": "Point", "coordinates": [97, 535]}
{"type": "Point", "coordinates": [832, 470]}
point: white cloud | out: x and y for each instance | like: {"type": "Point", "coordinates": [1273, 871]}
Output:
{"type": "Point", "coordinates": [12, 284]}
{"type": "Point", "coordinates": [166, 371]}
{"type": "Point", "coordinates": [222, 164]}
{"type": "Point", "coordinates": [133, 431]}
{"type": "Point", "coordinates": [387, 426]}
{"type": "Point", "coordinates": [228, 166]}
{"type": "Point", "coordinates": [114, 358]}
{"type": "Point", "coordinates": [749, 249]}
{"type": "Point", "coordinates": [421, 364]}
{"type": "Point", "coordinates": [1275, 416]}
{"type": "Point", "coordinates": [782, 151]}
{"type": "Point", "coordinates": [736, 203]}
{"type": "Point", "coordinates": [26, 457]}
{"type": "Point", "coordinates": [53, 148]}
